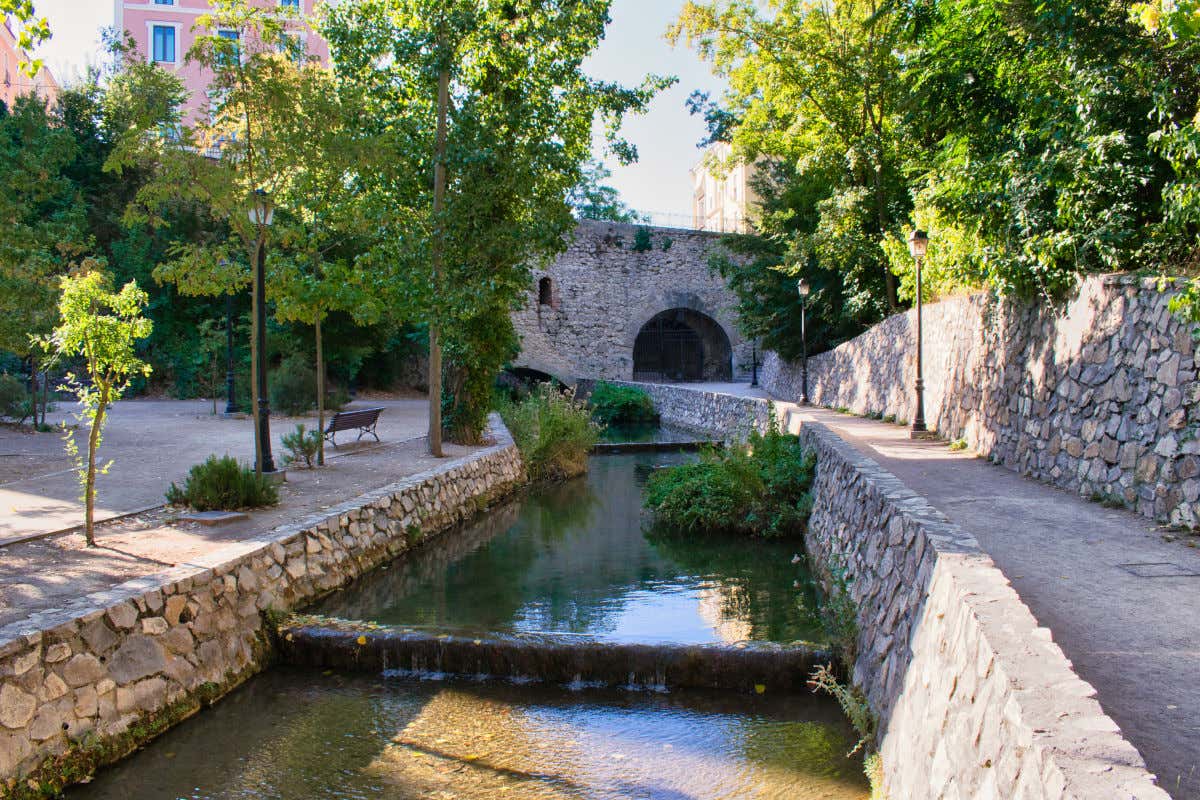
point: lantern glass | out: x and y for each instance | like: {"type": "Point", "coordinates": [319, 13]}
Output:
{"type": "Point", "coordinates": [262, 210]}
{"type": "Point", "coordinates": [918, 242]}
{"type": "Point", "coordinates": [803, 288]}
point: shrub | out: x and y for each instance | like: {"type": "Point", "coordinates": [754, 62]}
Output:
{"type": "Point", "coordinates": [553, 431]}
{"type": "Point", "coordinates": [612, 404]}
{"type": "Point", "coordinates": [222, 484]}
{"type": "Point", "coordinates": [293, 387]}
{"type": "Point", "coordinates": [759, 488]}
{"type": "Point", "coordinates": [301, 445]}
{"type": "Point", "coordinates": [15, 401]}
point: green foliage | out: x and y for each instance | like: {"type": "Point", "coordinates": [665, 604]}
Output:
{"type": "Point", "coordinates": [44, 227]}
{"type": "Point", "coordinates": [101, 328]}
{"type": "Point", "coordinates": [475, 348]}
{"type": "Point", "coordinates": [759, 488]}
{"type": "Point", "coordinates": [15, 401]}
{"type": "Point", "coordinates": [516, 142]}
{"type": "Point", "coordinates": [222, 484]}
{"type": "Point", "coordinates": [293, 387]}
{"type": "Point", "coordinates": [641, 240]}
{"type": "Point", "coordinates": [32, 30]}
{"type": "Point", "coordinates": [302, 446]}
{"type": "Point", "coordinates": [1035, 142]}
{"type": "Point", "coordinates": [854, 705]}
{"type": "Point", "coordinates": [612, 404]}
{"type": "Point", "coordinates": [553, 431]}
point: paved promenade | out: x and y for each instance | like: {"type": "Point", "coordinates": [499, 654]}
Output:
{"type": "Point", "coordinates": [1121, 596]}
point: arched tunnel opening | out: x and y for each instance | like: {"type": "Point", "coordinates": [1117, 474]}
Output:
{"type": "Point", "coordinates": [680, 345]}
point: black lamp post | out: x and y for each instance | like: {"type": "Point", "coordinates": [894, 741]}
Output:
{"type": "Point", "coordinates": [803, 288]}
{"type": "Point", "coordinates": [230, 401]}
{"type": "Point", "coordinates": [918, 242]}
{"type": "Point", "coordinates": [754, 364]}
{"type": "Point", "coordinates": [262, 212]}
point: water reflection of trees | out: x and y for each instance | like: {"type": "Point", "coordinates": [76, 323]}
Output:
{"type": "Point", "coordinates": [568, 557]}
{"type": "Point", "coordinates": [756, 581]}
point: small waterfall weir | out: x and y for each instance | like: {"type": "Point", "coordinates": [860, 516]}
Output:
{"type": "Point", "coordinates": [557, 658]}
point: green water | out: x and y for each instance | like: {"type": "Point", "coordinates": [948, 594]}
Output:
{"type": "Point", "coordinates": [577, 558]}
{"type": "Point", "coordinates": [292, 735]}
{"type": "Point", "coordinates": [645, 432]}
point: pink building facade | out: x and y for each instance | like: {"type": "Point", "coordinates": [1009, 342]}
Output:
{"type": "Point", "coordinates": [165, 30]}
{"type": "Point", "coordinates": [13, 80]}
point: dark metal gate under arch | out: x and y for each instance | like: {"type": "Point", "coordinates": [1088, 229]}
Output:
{"type": "Point", "coordinates": [681, 344]}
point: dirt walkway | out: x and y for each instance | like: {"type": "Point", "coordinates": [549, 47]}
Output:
{"type": "Point", "coordinates": [151, 443]}
{"type": "Point", "coordinates": [42, 574]}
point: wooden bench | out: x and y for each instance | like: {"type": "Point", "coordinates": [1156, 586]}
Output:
{"type": "Point", "coordinates": [362, 420]}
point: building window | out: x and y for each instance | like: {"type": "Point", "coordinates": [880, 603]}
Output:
{"type": "Point", "coordinates": [289, 3]}
{"type": "Point", "coordinates": [292, 45]}
{"type": "Point", "coordinates": [545, 292]}
{"type": "Point", "coordinates": [230, 50]}
{"type": "Point", "coordinates": [164, 2]}
{"type": "Point", "coordinates": [163, 39]}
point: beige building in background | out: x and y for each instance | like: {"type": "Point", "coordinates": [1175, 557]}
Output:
{"type": "Point", "coordinates": [13, 81]}
{"type": "Point", "coordinates": [722, 200]}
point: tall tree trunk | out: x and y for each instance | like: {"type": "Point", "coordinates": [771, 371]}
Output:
{"type": "Point", "coordinates": [320, 394]}
{"type": "Point", "coordinates": [45, 393]}
{"type": "Point", "coordinates": [439, 197]}
{"type": "Point", "coordinates": [89, 491]}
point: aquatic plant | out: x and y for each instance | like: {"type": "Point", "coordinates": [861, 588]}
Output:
{"type": "Point", "coordinates": [761, 487]}
{"type": "Point", "coordinates": [553, 431]}
{"type": "Point", "coordinates": [619, 405]}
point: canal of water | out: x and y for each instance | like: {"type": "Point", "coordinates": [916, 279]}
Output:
{"type": "Point", "coordinates": [579, 559]}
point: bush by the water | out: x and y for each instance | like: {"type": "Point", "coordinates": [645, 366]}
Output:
{"type": "Point", "coordinates": [15, 402]}
{"type": "Point", "coordinates": [222, 484]}
{"type": "Point", "coordinates": [553, 431]}
{"type": "Point", "coordinates": [759, 488]}
{"type": "Point", "coordinates": [613, 405]}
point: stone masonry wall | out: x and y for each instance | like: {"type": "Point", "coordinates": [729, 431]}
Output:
{"type": "Point", "coordinates": [603, 293]}
{"type": "Point", "coordinates": [116, 666]}
{"type": "Point", "coordinates": [1098, 396]}
{"type": "Point", "coordinates": [974, 698]}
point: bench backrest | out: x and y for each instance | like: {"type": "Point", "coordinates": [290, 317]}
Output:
{"type": "Point", "coordinates": [349, 420]}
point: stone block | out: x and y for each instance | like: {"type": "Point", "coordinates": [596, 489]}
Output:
{"type": "Point", "coordinates": [83, 669]}
{"type": "Point", "coordinates": [16, 706]}
{"type": "Point", "coordinates": [138, 657]}
{"type": "Point", "coordinates": [122, 616]}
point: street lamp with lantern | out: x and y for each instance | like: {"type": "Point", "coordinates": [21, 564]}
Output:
{"type": "Point", "coordinates": [918, 243]}
{"type": "Point", "coordinates": [262, 213]}
{"type": "Point", "coordinates": [803, 289]}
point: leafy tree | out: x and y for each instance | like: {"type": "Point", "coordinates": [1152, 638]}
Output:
{"type": "Point", "coordinates": [592, 198]}
{"type": "Point", "coordinates": [480, 119]}
{"type": "Point", "coordinates": [1033, 124]}
{"type": "Point", "coordinates": [32, 29]}
{"type": "Point", "coordinates": [102, 327]}
{"type": "Point", "coordinates": [813, 85]}
{"type": "Point", "coordinates": [44, 226]}
{"type": "Point", "coordinates": [224, 158]}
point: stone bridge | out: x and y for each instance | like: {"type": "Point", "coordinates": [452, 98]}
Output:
{"type": "Point", "coordinates": [623, 305]}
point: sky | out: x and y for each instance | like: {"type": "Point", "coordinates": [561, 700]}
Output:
{"type": "Point", "coordinates": [665, 136]}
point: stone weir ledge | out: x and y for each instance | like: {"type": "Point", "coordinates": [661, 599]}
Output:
{"type": "Point", "coordinates": [974, 699]}
{"type": "Point", "coordinates": [83, 685]}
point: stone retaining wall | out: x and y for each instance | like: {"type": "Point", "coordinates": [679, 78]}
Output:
{"type": "Point", "coordinates": [86, 682]}
{"type": "Point", "coordinates": [974, 698]}
{"type": "Point", "coordinates": [1098, 396]}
